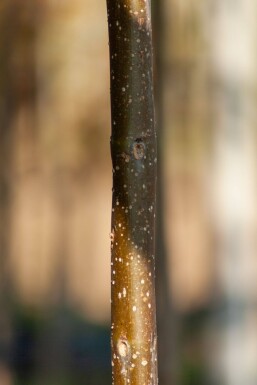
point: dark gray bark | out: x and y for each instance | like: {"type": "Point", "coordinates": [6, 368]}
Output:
{"type": "Point", "coordinates": [166, 317]}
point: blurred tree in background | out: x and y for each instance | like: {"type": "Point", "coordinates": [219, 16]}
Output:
{"type": "Point", "coordinates": [54, 183]}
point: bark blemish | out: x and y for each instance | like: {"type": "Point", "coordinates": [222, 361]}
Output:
{"type": "Point", "coordinates": [138, 149]}
{"type": "Point", "coordinates": [123, 348]}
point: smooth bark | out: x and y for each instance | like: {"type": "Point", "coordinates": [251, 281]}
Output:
{"type": "Point", "coordinates": [133, 147]}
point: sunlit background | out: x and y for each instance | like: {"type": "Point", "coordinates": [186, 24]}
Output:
{"type": "Point", "coordinates": [55, 192]}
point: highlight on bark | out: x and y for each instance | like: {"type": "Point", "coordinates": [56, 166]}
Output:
{"type": "Point", "coordinates": [133, 149]}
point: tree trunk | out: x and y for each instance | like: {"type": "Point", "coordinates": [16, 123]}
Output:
{"type": "Point", "coordinates": [133, 147]}
{"type": "Point", "coordinates": [233, 186]}
{"type": "Point", "coordinates": [166, 317]}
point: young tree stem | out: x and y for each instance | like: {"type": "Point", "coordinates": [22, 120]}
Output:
{"type": "Point", "coordinates": [133, 148]}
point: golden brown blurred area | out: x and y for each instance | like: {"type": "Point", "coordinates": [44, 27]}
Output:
{"type": "Point", "coordinates": [58, 136]}
{"type": "Point", "coordinates": [60, 168]}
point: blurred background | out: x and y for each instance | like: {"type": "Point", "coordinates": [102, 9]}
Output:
{"type": "Point", "coordinates": [55, 192]}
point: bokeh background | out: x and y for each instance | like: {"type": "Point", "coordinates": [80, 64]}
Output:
{"type": "Point", "coordinates": [55, 192]}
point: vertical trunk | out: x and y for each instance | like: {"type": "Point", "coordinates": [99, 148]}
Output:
{"type": "Point", "coordinates": [133, 147]}
{"type": "Point", "coordinates": [17, 98]}
{"type": "Point", "coordinates": [165, 313]}
{"type": "Point", "coordinates": [234, 188]}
